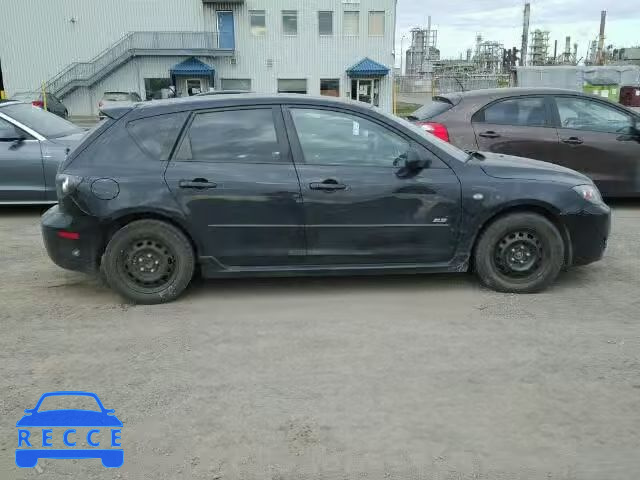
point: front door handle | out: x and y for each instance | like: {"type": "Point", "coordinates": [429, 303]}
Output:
{"type": "Point", "coordinates": [489, 134]}
{"type": "Point", "coordinates": [329, 185]}
{"type": "Point", "coordinates": [197, 183]}
{"type": "Point", "coordinates": [573, 141]}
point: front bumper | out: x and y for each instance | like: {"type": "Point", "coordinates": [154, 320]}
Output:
{"type": "Point", "coordinates": [588, 231]}
{"type": "Point", "coordinates": [81, 254]}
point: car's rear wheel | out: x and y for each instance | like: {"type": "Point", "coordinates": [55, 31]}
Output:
{"type": "Point", "coordinates": [149, 262]}
{"type": "Point", "coordinates": [519, 253]}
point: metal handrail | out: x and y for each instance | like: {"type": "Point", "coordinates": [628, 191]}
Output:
{"type": "Point", "coordinates": [125, 47]}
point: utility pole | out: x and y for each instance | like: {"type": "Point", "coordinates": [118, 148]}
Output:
{"type": "Point", "coordinates": [525, 34]}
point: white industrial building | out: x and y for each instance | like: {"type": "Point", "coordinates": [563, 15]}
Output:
{"type": "Point", "coordinates": [81, 48]}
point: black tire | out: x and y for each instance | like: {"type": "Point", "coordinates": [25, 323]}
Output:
{"type": "Point", "coordinates": [519, 253]}
{"type": "Point", "coordinates": [163, 257]}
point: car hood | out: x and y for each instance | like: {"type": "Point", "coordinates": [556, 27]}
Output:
{"type": "Point", "coordinates": [69, 418]}
{"type": "Point", "coordinates": [520, 168]}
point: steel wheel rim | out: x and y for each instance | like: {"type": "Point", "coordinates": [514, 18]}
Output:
{"type": "Point", "coordinates": [519, 254]}
{"type": "Point", "coordinates": [148, 265]}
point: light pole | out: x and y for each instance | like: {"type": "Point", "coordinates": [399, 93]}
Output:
{"type": "Point", "coordinates": [402, 53]}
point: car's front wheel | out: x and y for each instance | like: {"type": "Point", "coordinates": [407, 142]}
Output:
{"type": "Point", "coordinates": [149, 262]}
{"type": "Point", "coordinates": [519, 253]}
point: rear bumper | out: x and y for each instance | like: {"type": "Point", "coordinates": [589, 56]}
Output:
{"type": "Point", "coordinates": [589, 232]}
{"type": "Point", "coordinates": [81, 254]}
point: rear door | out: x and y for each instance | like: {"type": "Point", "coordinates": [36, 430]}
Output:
{"type": "Point", "coordinates": [596, 138]}
{"type": "Point", "coordinates": [234, 178]}
{"type": "Point", "coordinates": [359, 209]}
{"type": "Point", "coordinates": [21, 173]}
{"type": "Point", "coordinates": [520, 126]}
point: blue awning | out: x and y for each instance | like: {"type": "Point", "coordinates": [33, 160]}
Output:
{"type": "Point", "coordinates": [192, 66]}
{"type": "Point", "coordinates": [367, 68]}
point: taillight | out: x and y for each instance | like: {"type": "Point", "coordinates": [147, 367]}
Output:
{"type": "Point", "coordinates": [38, 103]}
{"type": "Point", "coordinates": [437, 129]}
{"type": "Point", "coordinates": [100, 103]}
{"type": "Point", "coordinates": [66, 184]}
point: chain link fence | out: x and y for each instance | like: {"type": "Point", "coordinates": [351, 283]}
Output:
{"type": "Point", "coordinates": [440, 84]}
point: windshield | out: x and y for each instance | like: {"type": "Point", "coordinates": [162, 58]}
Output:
{"type": "Point", "coordinates": [46, 124]}
{"type": "Point", "coordinates": [116, 97]}
{"type": "Point", "coordinates": [449, 149]}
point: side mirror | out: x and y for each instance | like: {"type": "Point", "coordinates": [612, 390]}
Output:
{"type": "Point", "coordinates": [415, 161]}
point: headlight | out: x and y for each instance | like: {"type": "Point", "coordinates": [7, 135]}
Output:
{"type": "Point", "coordinates": [589, 193]}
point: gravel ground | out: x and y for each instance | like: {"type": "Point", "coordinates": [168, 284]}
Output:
{"type": "Point", "coordinates": [429, 377]}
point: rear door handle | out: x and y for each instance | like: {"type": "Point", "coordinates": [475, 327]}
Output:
{"type": "Point", "coordinates": [489, 134]}
{"type": "Point", "coordinates": [197, 183]}
{"type": "Point", "coordinates": [328, 186]}
{"type": "Point", "coordinates": [573, 141]}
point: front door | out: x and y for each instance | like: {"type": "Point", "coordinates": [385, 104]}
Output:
{"type": "Point", "coordinates": [520, 126]}
{"type": "Point", "coordinates": [226, 32]}
{"type": "Point", "coordinates": [235, 181]}
{"type": "Point", "coordinates": [597, 139]}
{"type": "Point", "coordinates": [21, 171]}
{"type": "Point", "coordinates": [358, 209]}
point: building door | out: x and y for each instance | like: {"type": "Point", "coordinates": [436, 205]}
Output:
{"type": "Point", "coordinates": [226, 34]}
{"type": "Point", "coordinates": [194, 86]}
{"type": "Point", "coordinates": [366, 90]}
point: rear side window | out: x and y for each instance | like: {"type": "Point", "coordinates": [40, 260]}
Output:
{"type": "Point", "coordinates": [157, 135]}
{"type": "Point", "coordinates": [245, 136]}
{"type": "Point", "coordinates": [431, 109]}
{"type": "Point", "coordinates": [522, 111]}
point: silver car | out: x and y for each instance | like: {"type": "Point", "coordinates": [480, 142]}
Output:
{"type": "Point", "coordinates": [33, 142]}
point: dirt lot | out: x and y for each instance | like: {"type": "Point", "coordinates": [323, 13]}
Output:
{"type": "Point", "coordinates": [429, 377]}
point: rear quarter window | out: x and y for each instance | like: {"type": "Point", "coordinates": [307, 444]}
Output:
{"type": "Point", "coordinates": [157, 135]}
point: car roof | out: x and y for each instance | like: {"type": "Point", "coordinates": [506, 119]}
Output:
{"type": "Point", "coordinates": [495, 93]}
{"type": "Point", "coordinates": [4, 103]}
{"type": "Point", "coordinates": [158, 107]}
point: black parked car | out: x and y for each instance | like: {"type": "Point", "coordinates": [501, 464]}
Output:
{"type": "Point", "coordinates": [54, 104]}
{"type": "Point", "coordinates": [238, 185]}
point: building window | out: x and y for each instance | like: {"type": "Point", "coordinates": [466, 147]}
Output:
{"type": "Point", "coordinates": [292, 85]}
{"type": "Point", "coordinates": [376, 23]}
{"type": "Point", "coordinates": [258, 22]}
{"type": "Point", "coordinates": [236, 84]}
{"type": "Point", "coordinates": [330, 87]}
{"type": "Point", "coordinates": [325, 23]}
{"type": "Point", "coordinates": [290, 22]}
{"type": "Point", "coordinates": [351, 23]}
{"type": "Point", "coordinates": [156, 88]}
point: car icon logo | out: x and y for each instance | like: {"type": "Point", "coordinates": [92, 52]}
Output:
{"type": "Point", "coordinates": [69, 433]}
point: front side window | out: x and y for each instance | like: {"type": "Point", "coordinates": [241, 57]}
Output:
{"type": "Point", "coordinates": [286, 85]}
{"type": "Point", "coordinates": [376, 23]}
{"type": "Point", "coordinates": [325, 23]}
{"type": "Point", "coordinates": [335, 138]}
{"type": "Point", "coordinates": [258, 22]}
{"type": "Point", "coordinates": [523, 111]}
{"type": "Point", "coordinates": [351, 23]}
{"type": "Point", "coordinates": [290, 22]}
{"type": "Point", "coordinates": [585, 114]}
{"type": "Point", "coordinates": [244, 136]}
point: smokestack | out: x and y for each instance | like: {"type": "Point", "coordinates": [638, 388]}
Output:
{"type": "Point", "coordinates": [555, 52]}
{"type": "Point", "coordinates": [575, 53]}
{"type": "Point", "coordinates": [567, 48]}
{"type": "Point", "coordinates": [600, 53]}
{"type": "Point", "coordinates": [525, 34]}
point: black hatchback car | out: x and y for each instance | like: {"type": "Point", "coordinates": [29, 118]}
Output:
{"type": "Point", "coordinates": [244, 185]}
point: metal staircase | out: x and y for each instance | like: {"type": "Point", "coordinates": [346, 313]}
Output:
{"type": "Point", "coordinates": [134, 44]}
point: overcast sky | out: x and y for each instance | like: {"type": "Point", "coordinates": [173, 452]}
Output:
{"type": "Point", "coordinates": [458, 22]}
